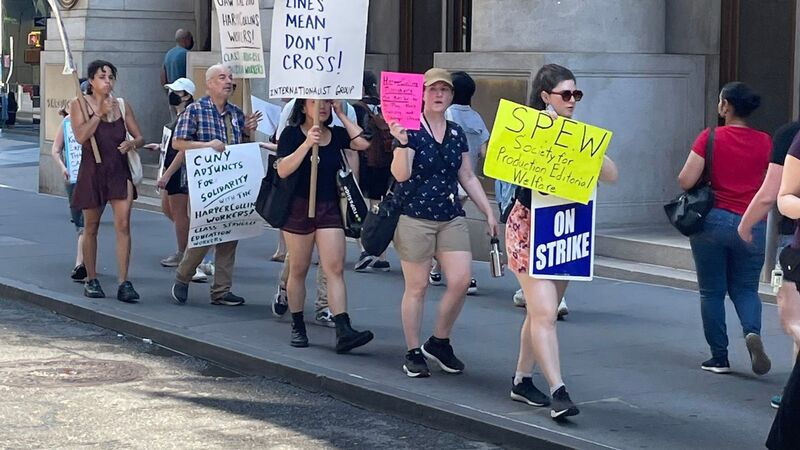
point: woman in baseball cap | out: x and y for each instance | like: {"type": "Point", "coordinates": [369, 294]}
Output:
{"type": "Point", "coordinates": [429, 164]}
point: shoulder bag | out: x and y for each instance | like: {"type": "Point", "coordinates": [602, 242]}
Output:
{"type": "Point", "coordinates": [134, 161]}
{"type": "Point", "coordinates": [688, 211]}
{"type": "Point", "coordinates": [381, 222]}
{"type": "Point", "coordinates": [275, 195]}
{"type": "Point", "coordinates": [351, 202]}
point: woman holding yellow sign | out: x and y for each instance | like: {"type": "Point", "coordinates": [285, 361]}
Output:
{"type": "Point", "coordinates": [554, 90]}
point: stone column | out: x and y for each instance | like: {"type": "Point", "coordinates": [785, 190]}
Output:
{"type": "Point", "coordinates": [590, 26]}
{"type": "Point", "coordinates": [132, 34]}
{"type": "Point", "coordinates": [619, 50]}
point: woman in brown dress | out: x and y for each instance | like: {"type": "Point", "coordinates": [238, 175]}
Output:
{"type": "Point", "coordinates": [107, 181]}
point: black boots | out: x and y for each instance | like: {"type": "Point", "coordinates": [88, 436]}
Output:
{"type": "Point", "coordinates": [346, 337]}
{"type": "Point", "coordinates": [299, 336]}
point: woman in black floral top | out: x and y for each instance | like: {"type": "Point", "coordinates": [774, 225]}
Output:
{"type": "Point", "coordinates": [429, 164]}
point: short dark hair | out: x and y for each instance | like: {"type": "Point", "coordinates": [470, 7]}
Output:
{"type": "Point", "coordinates": [370, 85]}
{"type": "Point", "coordinates": [464, 87]}
{"type": "Point", "coordinates": [742, 97]}
{"type": "Point", "coordinates": [94, 67]}
{"type": "Point", "coordinates": [297, 117]}
{"type": "Point", "coordinates": [546, 79]}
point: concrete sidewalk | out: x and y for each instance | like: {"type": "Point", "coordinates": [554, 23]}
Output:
{"type": "Point", "coordinates": [630, 352]}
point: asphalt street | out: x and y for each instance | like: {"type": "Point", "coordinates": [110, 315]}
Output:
{"type": "Point", "coordinates": [65, 384]}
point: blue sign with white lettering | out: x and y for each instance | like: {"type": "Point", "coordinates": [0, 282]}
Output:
{"type": "Point", "coordinates": [562, 239]}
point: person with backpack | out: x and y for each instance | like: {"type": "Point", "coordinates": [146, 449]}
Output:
{"type": "Point", "coordinates": [375, 175]}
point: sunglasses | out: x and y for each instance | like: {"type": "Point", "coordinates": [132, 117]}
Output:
{"type": "Point", "coordinates": [567, 95]}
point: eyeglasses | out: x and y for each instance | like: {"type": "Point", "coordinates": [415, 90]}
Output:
{"type": "Point", "coordinates": [567, 95]}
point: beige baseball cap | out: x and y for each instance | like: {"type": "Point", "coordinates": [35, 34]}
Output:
{"type": "Point", "coordinates": [436, 74]}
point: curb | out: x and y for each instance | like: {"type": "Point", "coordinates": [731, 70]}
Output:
{"type": "Point", "coordinates": [459, 419]}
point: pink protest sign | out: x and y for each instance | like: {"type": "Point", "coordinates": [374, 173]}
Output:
{"type": "Point", "coordinates": [401, 98]}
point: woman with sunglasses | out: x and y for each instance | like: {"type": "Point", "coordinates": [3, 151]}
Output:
{"type": "Point", "coordinates": [554, 90]}
{"type": "Point", "coordinates": [325, 230]}
{"type": "Point", "coordinates": [725, 263]}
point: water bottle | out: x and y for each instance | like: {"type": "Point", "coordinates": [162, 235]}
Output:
{"type": "Point", "coordinates": [495, 258]}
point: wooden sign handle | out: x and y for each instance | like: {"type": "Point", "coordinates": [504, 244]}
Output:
{"type": "Point", "coordinates": [85, 114]}
{"type": "Point", "coordinates": [312, 191]}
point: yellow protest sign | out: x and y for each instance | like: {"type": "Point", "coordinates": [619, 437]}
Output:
{"type": "Point", "coordinates": [561, 157]}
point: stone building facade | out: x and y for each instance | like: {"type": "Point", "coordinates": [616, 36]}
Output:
{"type": "Point", "coordinates": [651, 69]}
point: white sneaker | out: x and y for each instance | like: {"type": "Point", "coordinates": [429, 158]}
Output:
{"type": "Point", "coordinates": [562, 308]}
{"type": "Point", "coordinates": [519, 299]}
{"type": "Point", "coordinates": [172, 260]}
{"type": "Point", "coordinates": [199, 276]}
{"type": "Point", "coordinates": [207, 268]}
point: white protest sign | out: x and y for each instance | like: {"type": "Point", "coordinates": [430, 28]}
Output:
{"type": "Point", "coordinates": [223, 187]}
{"type": "Point", "coordinates": [166, 135]}
{"type": "Point", "coordinates": [317, 49]}
{"type": "Point", "coordinates": [240, 37]}
{"type": "Point", "coordinates": [271, 115]}
{"type": "Point", "coordinates": [562, 238]}
{"type": "Point", "coordinates": [72, 151]}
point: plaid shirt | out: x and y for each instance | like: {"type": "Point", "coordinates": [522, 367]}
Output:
{"type": "Point", "coordinates": [202, 122]}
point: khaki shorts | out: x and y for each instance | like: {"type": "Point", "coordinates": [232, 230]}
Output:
{"type": "Point", "coordinates": [418, 240]}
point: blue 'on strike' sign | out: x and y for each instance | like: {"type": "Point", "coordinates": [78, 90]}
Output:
{"type": "Point", "coordinates": [562, 239]}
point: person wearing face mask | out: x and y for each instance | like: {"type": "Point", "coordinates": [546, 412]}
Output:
{"type": "Point", "coordinates": [173, 181]}
{"type": "Point", "coordinates": [429, 164]}
{"type": "Point", "coordinates": [554, 89]}
{"type": "Point", "coordinates": [174, 66]}
{"type": "Point", "coordinates": [109, 180]}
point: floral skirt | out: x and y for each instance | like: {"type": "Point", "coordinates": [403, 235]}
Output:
{"type": "Point", "coordinates": [518, 238]}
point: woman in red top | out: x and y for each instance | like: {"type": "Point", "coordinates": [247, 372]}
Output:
{"type": "Point", "coordinates": [725, 263]}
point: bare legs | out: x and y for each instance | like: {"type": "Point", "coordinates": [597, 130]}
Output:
{"type": "Point", "coordinates": [456, 266]}
{"type": "Point", "coordinates": [179, 213]}
{"type": "Point", "coordinates": [538, 337]}
{"type": "Point", "coordinates": [789, 309]}
{"type": "Point", "coordinates": [331, 245]}
{"type": "Point", "coordinates": [122, 219]}
{"type": "Point", "coordinates": [122, 226]}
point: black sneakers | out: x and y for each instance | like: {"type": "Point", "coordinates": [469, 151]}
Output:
{"type": "Point", "coordinates": [92, 289]}
{"type": "Point", "coordinates": [364, 261]}
{"type": "Point", "coordinates": [229, 299]}
{"type": "Point", "coordinates": [526, 392]}
{"type": "Point", "coordinates": [441, 352]}
{"type": "Point", "coordinates": [126, 293]}
{"type": "Point", "coordinates": [717, 365]}
{"type": "Point", "coordinates": [758, 357]}
{"type": "Point", "coordinates": [281, 302]}
{"type": "Point", "coordinates": [180, 292]}
{"type": "Point", "coordinates": [79, 273]}
{"type": "Point", "coordinates": [415, 366]}
{"type": "Point", "coordinates": [561, 406]}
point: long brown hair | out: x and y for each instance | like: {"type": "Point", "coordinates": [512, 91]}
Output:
{"type": "Point", "coordinates": [546, 79]}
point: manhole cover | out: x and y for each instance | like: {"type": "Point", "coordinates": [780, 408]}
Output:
{"type": "Point", "coordinates": [69, 372]}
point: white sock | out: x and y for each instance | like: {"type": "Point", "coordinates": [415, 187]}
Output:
{"type": "Point", "coordinates": [518, 376]}
{"type": "Point", "coordinates": [555, 388]}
